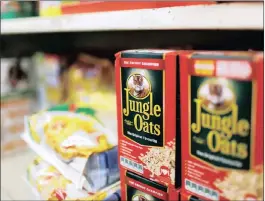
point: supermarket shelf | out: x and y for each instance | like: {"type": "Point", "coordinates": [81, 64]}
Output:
{"type": "Point", "coordinates": [224, 16]}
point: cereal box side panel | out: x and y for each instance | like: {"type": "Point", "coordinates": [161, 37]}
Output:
{"type": "Point", "coordinates": [184, 102]}
{"type": "Point", "coordinates": [259, 71]}
{"type": "Point", "coordinates": [258, 124]}
{"type": "Point", "coordinates": [174, 194]}
{"type": "Point", "coordinates": [259, 138]}
{"type": "Point", "coordinates": [172, 117]}
{"type": "Point", "coordinates": [119, 111]}
{"type": "Point", "coordinates": [123, 182]}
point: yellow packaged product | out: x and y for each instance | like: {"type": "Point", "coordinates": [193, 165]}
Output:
{"type": "Point", "coordinates": [89, 82]}
{"type": "Point", "coordinates": [71, 132]}
{"type": "Point", "coordinates": [99, 100]}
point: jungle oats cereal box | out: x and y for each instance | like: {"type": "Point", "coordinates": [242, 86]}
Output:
{"type": "Point", "coordinates": [222, 125]}
{"type": "Point", "coordinates": [147, 116]}
{"type": "Point", "coordinates": [142, 189]}
{"type": "Point", "coordinates": [189, 197]}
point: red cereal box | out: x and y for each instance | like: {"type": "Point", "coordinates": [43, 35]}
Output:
{"type": "Point", "coordinates": [137, 187]}
{"type": "Point", "coordinates": [222, 125]}
{"type": "Point", "coordinates": [148, 119]}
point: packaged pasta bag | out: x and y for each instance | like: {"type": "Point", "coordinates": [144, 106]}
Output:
{"type": "Point", "coordinates": [51, 185]}
{"type": "Point", "coordinates": [70, 132]}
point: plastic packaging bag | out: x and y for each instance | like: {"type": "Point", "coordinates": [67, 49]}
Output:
{"type": "Point", "coordinates": [52, 185]}
{"type": "Point", "coordinates": [102, 169]}
{"type": "Point", "coordinates": [114, 197]}
{"type": "Point", "coordinates": [73, 137]}
{"type": "Point", "coordinates": [70, 134]}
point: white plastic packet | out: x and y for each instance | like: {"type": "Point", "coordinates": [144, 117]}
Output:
{"type": "Point", "coordinates": [67, 137]}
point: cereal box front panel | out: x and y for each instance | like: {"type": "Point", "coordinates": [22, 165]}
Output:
{"type": "Point", "coordinates": [142, 102]}
{"type": "Point", "coordinates": [220, 127]}
{"type": "Point", "coordinates": [145, 145]}
{"type": "Point", "coordinates": [219, 130]}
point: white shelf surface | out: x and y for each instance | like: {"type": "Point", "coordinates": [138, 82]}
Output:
{"type": "Point", "coordinates": [220, 16]}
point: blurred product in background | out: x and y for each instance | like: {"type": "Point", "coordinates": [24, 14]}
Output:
{"type": "Point", "coordinates": [49, 8]}
{"type": "Point", "coordinates": [84, 80]}
{"type": "Point", "coordinates": [16, 9]}
{"type": "Point", "coordinates": [48, 76]}
{"type": "Point", "coordinates": [80, 79]}
{"type": "Point", "coordinates": [55, 8]}
{"type": "Point", "coordinates": [75, 141]}
{"type": "Point", "coordinates": [17, 100]}
{"type": "Point", "coordinates": [19, 9]}
{"type": "Point", "coordinates": [88, 81]}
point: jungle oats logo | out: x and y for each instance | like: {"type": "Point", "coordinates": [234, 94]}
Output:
{"type": "Point", "coordinates": [220, 134]}
{"type": "Point", "coordinates": [139, 86]}
{"type": "Point", "coordinates": [139, 198]}
{"type": "Point", "coordinates": [142, 106]}
{"type": "Point", "coordinates": [216, 96]}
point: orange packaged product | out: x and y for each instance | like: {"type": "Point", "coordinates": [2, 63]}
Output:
{"type": "Point", "coordinates": [222, 125]}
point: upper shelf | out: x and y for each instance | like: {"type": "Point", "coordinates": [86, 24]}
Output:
{"type": "Point", "coordinates": [227, 16]}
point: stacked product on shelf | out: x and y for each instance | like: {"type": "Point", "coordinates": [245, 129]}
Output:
{"type": "Point", "coordinates": [50, 184]}
{"type": "Point", "coordinates": [224, 129]}
{"type": "Point", "coordinates": [49, 8]}
{"type": "Point", "coordinates": [72, 140]}
{"type": "Point", "coordinates": [82, 79]}
{"type": "Point", "coordinates": [18, 9]}
{"type": "Point", "coordinates": [55, 8]}
{"type": "Point", "coordinates": [189, 124]}
{"type": "Point", "coordinates": [149, 142]}
{"type": "Point", "coordinates": [17, 100]}
{"type": "Point", "coordinates": [71, 135]}
{"type": "Point", "coordinates": [105, 6]}
{"type": "Point", "coordinates": [48, 76]}
{"type": "Point", "coordinates": [88, 81]}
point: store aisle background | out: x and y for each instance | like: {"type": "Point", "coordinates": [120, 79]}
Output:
{"type": "Point", "coordinates": [214, 27]}
{"type": "Point", "coordinates": [13, 171]}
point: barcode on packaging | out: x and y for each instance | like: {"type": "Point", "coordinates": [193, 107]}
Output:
{"type": "Point", "coordinates": [127, 163]}
{"type": "Point", "coordinates": [201, 190]}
